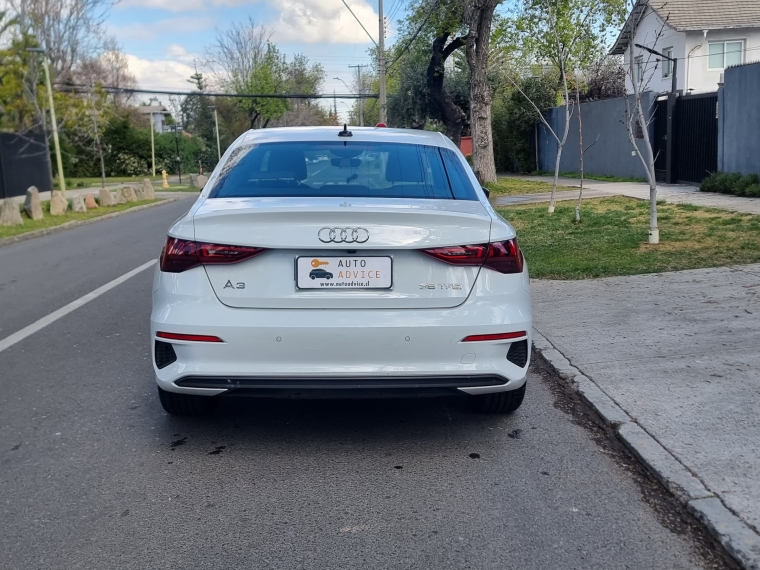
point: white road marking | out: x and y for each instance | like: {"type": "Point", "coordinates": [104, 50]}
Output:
{"type": "Point", "coordinates": [18, 336]}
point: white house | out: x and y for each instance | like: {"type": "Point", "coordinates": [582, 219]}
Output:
{"type": "Point", "coordinates": [158, 114]}
{"type": "Point", "coordinates": [705, 36]}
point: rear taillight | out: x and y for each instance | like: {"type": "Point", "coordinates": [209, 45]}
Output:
{"type": "Point", "coordinates": [501, 256]}
{"type": "Point", "coordinates": [496, 336]}
{"type": "Point", "coordinates": [180, 255]}
{"type": "Point", "coordinates": [188, 337]}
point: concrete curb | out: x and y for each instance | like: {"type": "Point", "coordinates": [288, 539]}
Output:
{"type": "Point", "coordinates": [738, 538]}
{"type": "Point", "coordinates": [77, 223]}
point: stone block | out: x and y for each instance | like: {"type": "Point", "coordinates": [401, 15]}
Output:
{"type": "Point", "coordinates": [119, 198]}
{"type": "Point", "coordinates": [58, 204]}
{"type": "Point", "coordinates": [10, 215]}
{"type": "Point", "coordinates": [194, 181]}
{"type": "Point", "coordinates": [139, 193]}
{"type": "Point", "coordinates": [105, 197]}
{"type": "Point", "coordinates": [32, 203]}
{"type": "Point", "coordinates": [129, 194]}
{"type": "Point", "coordinates": [89, 202]}
{"type": "Point", "coordinates": [77, 204]}
{"type": "Point", "coordinates": [149, 192]}
{"type": "Point", "coordinates": [202, 179]}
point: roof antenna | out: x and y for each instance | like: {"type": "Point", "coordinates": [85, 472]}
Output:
{"type": "Point", "coordinates": [345, 132]}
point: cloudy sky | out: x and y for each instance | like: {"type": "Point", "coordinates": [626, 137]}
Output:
{"type": "Point", "coordinates": [164, 38]}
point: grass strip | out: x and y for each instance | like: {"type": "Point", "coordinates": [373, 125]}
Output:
{"type": "Point", "coordinates": [518, 187]}
{"type": "Point", "coordinates": [49, 221]}
{"type": "Point", "coordinates": [612, 238]}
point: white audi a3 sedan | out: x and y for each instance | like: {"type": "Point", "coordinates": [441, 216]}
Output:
{"type": "Point", "coordinates": [320, 262]}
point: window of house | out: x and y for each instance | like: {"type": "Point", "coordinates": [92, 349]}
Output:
{"type": "Point", "coordinates": [725, 54]}
{"type": "Point", "coordinates": [639, 69]}
{"type": "Point", "coordinates": [667, 65]}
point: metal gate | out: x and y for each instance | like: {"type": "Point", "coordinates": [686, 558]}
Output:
{"type": "Point", "coordinates": [695, 144]}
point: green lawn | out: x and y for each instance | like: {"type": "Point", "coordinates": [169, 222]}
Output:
{"type": "Point", "coordinates": [86, 182]}
{"type": "Point", "coordinates": [50, 221]}
{"type": "Point", "coordinates": [178, 188]}
{"type": "Point", "coordinates": [612, 238]}
{"type": "Point", "coordinates": [600, 177]}
{"type": "Point", "coordinates": [517, 186]}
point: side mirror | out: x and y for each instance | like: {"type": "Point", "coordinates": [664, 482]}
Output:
{"type": "Point", "coordinates": [486, 191]}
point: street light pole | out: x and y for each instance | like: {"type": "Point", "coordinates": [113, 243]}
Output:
{"type": "Point", "coordinates": [381, 61]}
{"type": "Point", "coordinates": [218, 145]}
{"type": "Point", "coordinates": [56, 142]}
{"type": "Point", "coordinates": [152, 145]}
{"type": "Point", "coordinates": [361, 92]}
{"type": "Point", "coordinates": [669, 174]}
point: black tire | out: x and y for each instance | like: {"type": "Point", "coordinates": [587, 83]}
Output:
{"type": "Point", "coordinates": [186, 404]}
{"type": "Point", "coordinates": [500, 402]}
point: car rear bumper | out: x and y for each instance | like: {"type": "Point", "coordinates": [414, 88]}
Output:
{"type": "Point", "coordinates": [310, 351]}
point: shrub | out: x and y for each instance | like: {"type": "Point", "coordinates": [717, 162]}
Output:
{"type": "Point", "coordinates": [713, 183]}
{"type": "Point", "coordinates": [753, 191]}
{"type": "Point", "coordinates": [732, 183]}
{"type": "Point", "coordinates": [740, 189]}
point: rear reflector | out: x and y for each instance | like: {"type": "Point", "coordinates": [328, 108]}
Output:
{"type": "Point", "coordinates": [497, 336]}
{"type": "Point", "coordinates": [380, 126]}
{"type": "Point", "coordinates": [502, 256]}
{"type": "Point", "coordinates": [189, 337]}
{"type": "Point", "coordinates": [180, 255]}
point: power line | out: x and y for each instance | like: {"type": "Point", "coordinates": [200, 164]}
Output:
{"type": "Point", "coordinates": [414, 37]}
{"type": "Point", "coordinates": [78, 88]}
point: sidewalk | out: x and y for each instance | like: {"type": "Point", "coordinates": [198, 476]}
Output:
{"type": "Point", "coordinates": [672, 193]}
{"type": "Point", "coordinates": [680, 354]}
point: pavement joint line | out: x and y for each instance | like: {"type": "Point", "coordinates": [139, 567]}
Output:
{"type": "Point", "coordinates": [40, 324]}
{"type": "Point", "coordinates": [77, 223]}
{"type": "Point", "coordinates": [739, 538]}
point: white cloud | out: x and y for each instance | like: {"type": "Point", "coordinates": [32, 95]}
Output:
{"type": "Point", "coordinates": [170, 5]}
{"type": "Point", "coordinates": [166, 74]}
{"type": "Point", "coordinates": [152, 30]}
{"type": "Point", "coordinates": [179, 53]}
{"type": "Point", "coordinates": [323, 21]}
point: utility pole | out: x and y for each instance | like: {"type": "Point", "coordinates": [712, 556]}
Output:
{"type": "Point", "coordinates": [361, 91]}
{"type": "Point", "coordinates": [179, 158]}
{"type": "Point", "coordinates": [380, 45]}
{"type": "Point", "coordinates": [56, 142]}
{"type": "Point", "coordinates": [216, 127]}
{"type": "Point", "coordinates": [381, 61]}
{"type": "Point", "coordinates": [152, 146]}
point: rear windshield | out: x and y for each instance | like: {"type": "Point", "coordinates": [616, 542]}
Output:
{"type": "Point", "coordinates": [343, 169]}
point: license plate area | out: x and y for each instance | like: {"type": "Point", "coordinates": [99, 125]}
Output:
{"type": "Point", "coordinates": [334, 273]}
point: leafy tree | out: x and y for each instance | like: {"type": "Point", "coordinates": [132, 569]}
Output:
{"type": "Point", "coordinates": [515, 118]}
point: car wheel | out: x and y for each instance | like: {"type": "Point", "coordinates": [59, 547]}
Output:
{"type": "Point", "coordinates": [186, 404]}
{"type": "Point", "coordinates": [313, 278]}
{"type": "Point", "coordinates": [499, 402]}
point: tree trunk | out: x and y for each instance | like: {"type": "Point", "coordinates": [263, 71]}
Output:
{"type": "Point", "coordinates": [478, 38]}
{"type": "Point", "coordinates": [453, 117]}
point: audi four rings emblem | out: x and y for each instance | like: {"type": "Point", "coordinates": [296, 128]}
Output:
{"type": "Point", "coordinates": [343, 235]}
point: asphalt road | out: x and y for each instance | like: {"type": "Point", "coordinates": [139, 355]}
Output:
{"type": "Point", "coordinates": [94, 475]}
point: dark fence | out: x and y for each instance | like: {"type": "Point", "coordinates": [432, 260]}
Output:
{"type": "Point", "coordinates": [695, 142]}
{"type": "Point", "coordinates": [603, 122]}
{"type": "Point", "coordinates": [739, 120]}
{"type": "Point", "coordinates": [24, 162]}
{"type": "Point", "coordinates": [695, 138]}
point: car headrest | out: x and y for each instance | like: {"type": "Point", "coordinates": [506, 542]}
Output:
{"type": "Point", "coordinates": [288, 162]}
{"type": "Point", "coordinates": [404, 166]}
